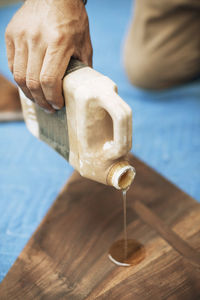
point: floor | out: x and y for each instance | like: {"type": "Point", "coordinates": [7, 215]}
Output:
{"type": "Point", "coordinates": [166, 128]}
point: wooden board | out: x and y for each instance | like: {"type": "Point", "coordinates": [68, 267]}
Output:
{"type": "Point", "coordinates": [67, 257]}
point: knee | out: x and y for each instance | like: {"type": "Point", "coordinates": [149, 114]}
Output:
{"type": "Point", "coordinates": [157, 71]}
{"type": "Point", "coordinates": [142, 71]}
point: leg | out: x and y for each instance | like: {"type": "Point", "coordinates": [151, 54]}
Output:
{"type": "Point", "coordinates": [10, 107]}
{"type": "Point", "coordinates": [162, 48]}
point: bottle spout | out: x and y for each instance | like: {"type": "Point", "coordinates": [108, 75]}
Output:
{"type": "Point", "coordinates": [121, 175]}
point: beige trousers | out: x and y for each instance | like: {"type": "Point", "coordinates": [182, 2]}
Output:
{"type": "Point", "coordinates": [162, 48]}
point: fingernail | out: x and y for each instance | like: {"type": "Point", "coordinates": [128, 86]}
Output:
{"type": "Point", "coordinates": [48, 111]}
{"type": "Point", "coordinates": [55, 107]}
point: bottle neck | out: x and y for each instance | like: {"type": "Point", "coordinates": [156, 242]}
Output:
{"type": "Point", "coordinates": [121, 175]}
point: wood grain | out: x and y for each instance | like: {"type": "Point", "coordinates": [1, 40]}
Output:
{"type": "Point", "coordinates": [66, 258]}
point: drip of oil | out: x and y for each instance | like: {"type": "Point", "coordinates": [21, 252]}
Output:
{"type": "Point", "coordinates": [126, 252]}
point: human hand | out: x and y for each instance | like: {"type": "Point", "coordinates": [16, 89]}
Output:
{"type": "Point", "coordinates": [40, 40]}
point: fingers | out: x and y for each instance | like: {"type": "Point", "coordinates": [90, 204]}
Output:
{"type": "Point", "coordinates": [25, 62]}
{"type": "Point", "coordinates": [10, 49]}
{"type": "Point", "coordinates": [34, 66]}
{"type": "Point", "coordinates": [20, 65]}
{"type": "Point", "coordinates": [54, 65]}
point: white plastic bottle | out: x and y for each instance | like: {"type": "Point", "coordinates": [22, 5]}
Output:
{"type": "Point", "coordinates": [93, 131]}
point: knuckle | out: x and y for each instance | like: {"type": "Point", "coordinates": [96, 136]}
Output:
{"type": "Point", "coordinates": [47, 80]}
{"type": "Point", "coordinates": [7, 33]}
{"type": "Point", "coordinates": [34, 35]}
{"type": "Point", "coordinates": [20, 79]}
{"type": "Point", "coordinates": [8, 30]}
{"type": "Point", "coordinates": [58, 38]}
{"type": "Point", "coordinates": [32, 84]}
{"type": "Point", "coordinates": [18, 35]}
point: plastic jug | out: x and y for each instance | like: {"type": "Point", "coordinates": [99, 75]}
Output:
{"type": "Point", "coordinates": [94, 129]}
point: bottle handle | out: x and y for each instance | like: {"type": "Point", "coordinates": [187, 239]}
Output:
{"type": "Point", "coordinates": [121, 115]}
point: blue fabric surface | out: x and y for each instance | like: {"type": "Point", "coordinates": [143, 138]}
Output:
{"type": "Point", "coordinates": [166, 127]}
